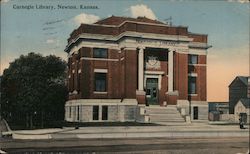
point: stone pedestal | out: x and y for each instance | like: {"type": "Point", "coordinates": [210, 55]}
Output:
{"type": "Point", "coordinates": [172, 97]}
{"type": "Point", "coordinates": [141, 97]}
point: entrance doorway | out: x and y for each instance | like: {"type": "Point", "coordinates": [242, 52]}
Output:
{"type": "Point", "coordinates": [152, 91]}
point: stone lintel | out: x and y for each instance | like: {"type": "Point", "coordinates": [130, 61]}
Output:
{"type": "Point", "coordinates": [173, 93]}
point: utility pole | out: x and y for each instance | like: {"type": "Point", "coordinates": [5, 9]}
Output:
{"type": "Point", "coordinates": [168, 21]}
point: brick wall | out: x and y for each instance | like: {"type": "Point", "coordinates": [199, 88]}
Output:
{"type": "Point", "coordinates": [130, 73]}
{"type": "Point", "coordinates": [201, 81]}
{"type": "Point", "coordinates": [84, 82]}
{"type": "Point", "coordinates": [135, 27]}
{"type": "Point", "coordinates": [181, 74]}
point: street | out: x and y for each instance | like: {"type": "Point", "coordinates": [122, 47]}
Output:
{"type": "Point", "coordinates": [136, 145]}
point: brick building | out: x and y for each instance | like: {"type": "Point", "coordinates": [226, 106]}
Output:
{"type": "Point", "coordinates": [119, 66]}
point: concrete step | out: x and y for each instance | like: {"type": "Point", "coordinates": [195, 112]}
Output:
{"type": "Point", "coordinates": [165, 115]}
{"type": "Point", "coordinates": [168, 114]}
{"type": "Point", "coordinates": [200, 121]}
{"type": "Point", "coordinates": [166, 120]}
{"type": "Point", "coordinates": [161, 111]}
{"type": "Point", "coordinates": [172, 119]}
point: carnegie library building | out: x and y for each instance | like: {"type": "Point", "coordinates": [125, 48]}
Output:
{"type": "Point", "coordinates": [130, 69]}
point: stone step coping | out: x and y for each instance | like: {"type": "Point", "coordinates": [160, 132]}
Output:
{"type": "Point", "coordinates": [163, 112]}
{"type": "Point", "coordinates": [173, 124]}
{"type": "Point", "coordinates": [167, 118]}
{"type": "Point", "coordinates": [158, 106]}
{"type": "Point", "coordinates": [162, 109]}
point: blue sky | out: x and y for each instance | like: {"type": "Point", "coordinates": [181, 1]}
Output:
{"type": "Point", "coordinates": [225, 22]}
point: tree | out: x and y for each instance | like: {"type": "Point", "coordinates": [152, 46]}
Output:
{"type": "Point", "coordinates": [33, 90]}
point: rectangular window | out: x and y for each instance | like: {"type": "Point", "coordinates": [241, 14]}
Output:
{"type": "Point", "coordinates": [196, 112]}
{"type": "Point", "coordinates": [78, 113]}
{"type": "Point", "coordinates": [78, 81]}
{"type": "Point", "coordinates": [95, 112]}
{"type": "Point", "coordinates": [193, 59]}
{"type": "Point", "coordinates": [100, 53]}
{"type": "Point", "coordinates": [73, 82]}
{"type": "Point", "coordinates": [100, 82]}
{"type": "Point", "coordinates": [192, 85]}
{"type": "Point", "coordinates": [104, 112]}
{"type": "Point", "coordinates": [70, 112]}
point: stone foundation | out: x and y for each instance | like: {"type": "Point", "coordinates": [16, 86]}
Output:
{"type": "Point", "coordinates": [82, 110]}
{"type": "Point", "coordinates": [184, 107]}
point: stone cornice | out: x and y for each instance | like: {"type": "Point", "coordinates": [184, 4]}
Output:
{"type": "Point", "coordinates": [117, 39]}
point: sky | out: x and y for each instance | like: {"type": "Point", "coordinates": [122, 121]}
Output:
{"type": "Point", "coordinates": [46, 31]}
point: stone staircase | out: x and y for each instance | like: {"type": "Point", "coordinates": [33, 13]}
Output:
{"type": "Point", "coordinates": [169, 114]}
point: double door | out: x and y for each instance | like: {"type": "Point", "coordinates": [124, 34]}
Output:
{"type": "Point", "coordinates": [152, 91]}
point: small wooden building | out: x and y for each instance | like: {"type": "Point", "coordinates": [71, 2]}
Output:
{"type": "Point", "coordinates": [242, 109]}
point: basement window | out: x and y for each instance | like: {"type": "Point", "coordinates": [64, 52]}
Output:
{"type": "Point", "coordinates": [95, 112]}
{"type": "Point", "coordinates": [104, 112]}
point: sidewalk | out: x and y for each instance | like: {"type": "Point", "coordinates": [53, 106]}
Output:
{"type": "Point", "coordinates": [171, 131]}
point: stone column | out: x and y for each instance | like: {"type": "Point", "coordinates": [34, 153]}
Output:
{"type": "Point", "coordinates": [140, 93]}
{"type": "Point", "coordinates": [140, 69]}
{"type": "Point", "coordinates": [170, 70]}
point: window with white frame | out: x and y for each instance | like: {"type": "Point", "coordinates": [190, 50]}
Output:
{"type": "Point", "coordinates": [192, 85]}
{"type": "Point", "coordinates": [100, 82]}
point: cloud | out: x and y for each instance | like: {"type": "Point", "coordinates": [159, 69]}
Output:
{"type": "Point", "coordinates": [240, 1]}
{"type": "Point", "coordinates": [4, 1]}
{"type": "Point", "coordinates": [50, 41]}
{"type": "Point", "coordinates": [85, 18]}
{"type": "Point", "coordinates": [141, 10]}
{"type": "Point", "coordinates": [223, 65]}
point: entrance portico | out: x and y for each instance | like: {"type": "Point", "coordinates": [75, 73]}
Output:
{"type": "Point", "coordinates": [155, 65]}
